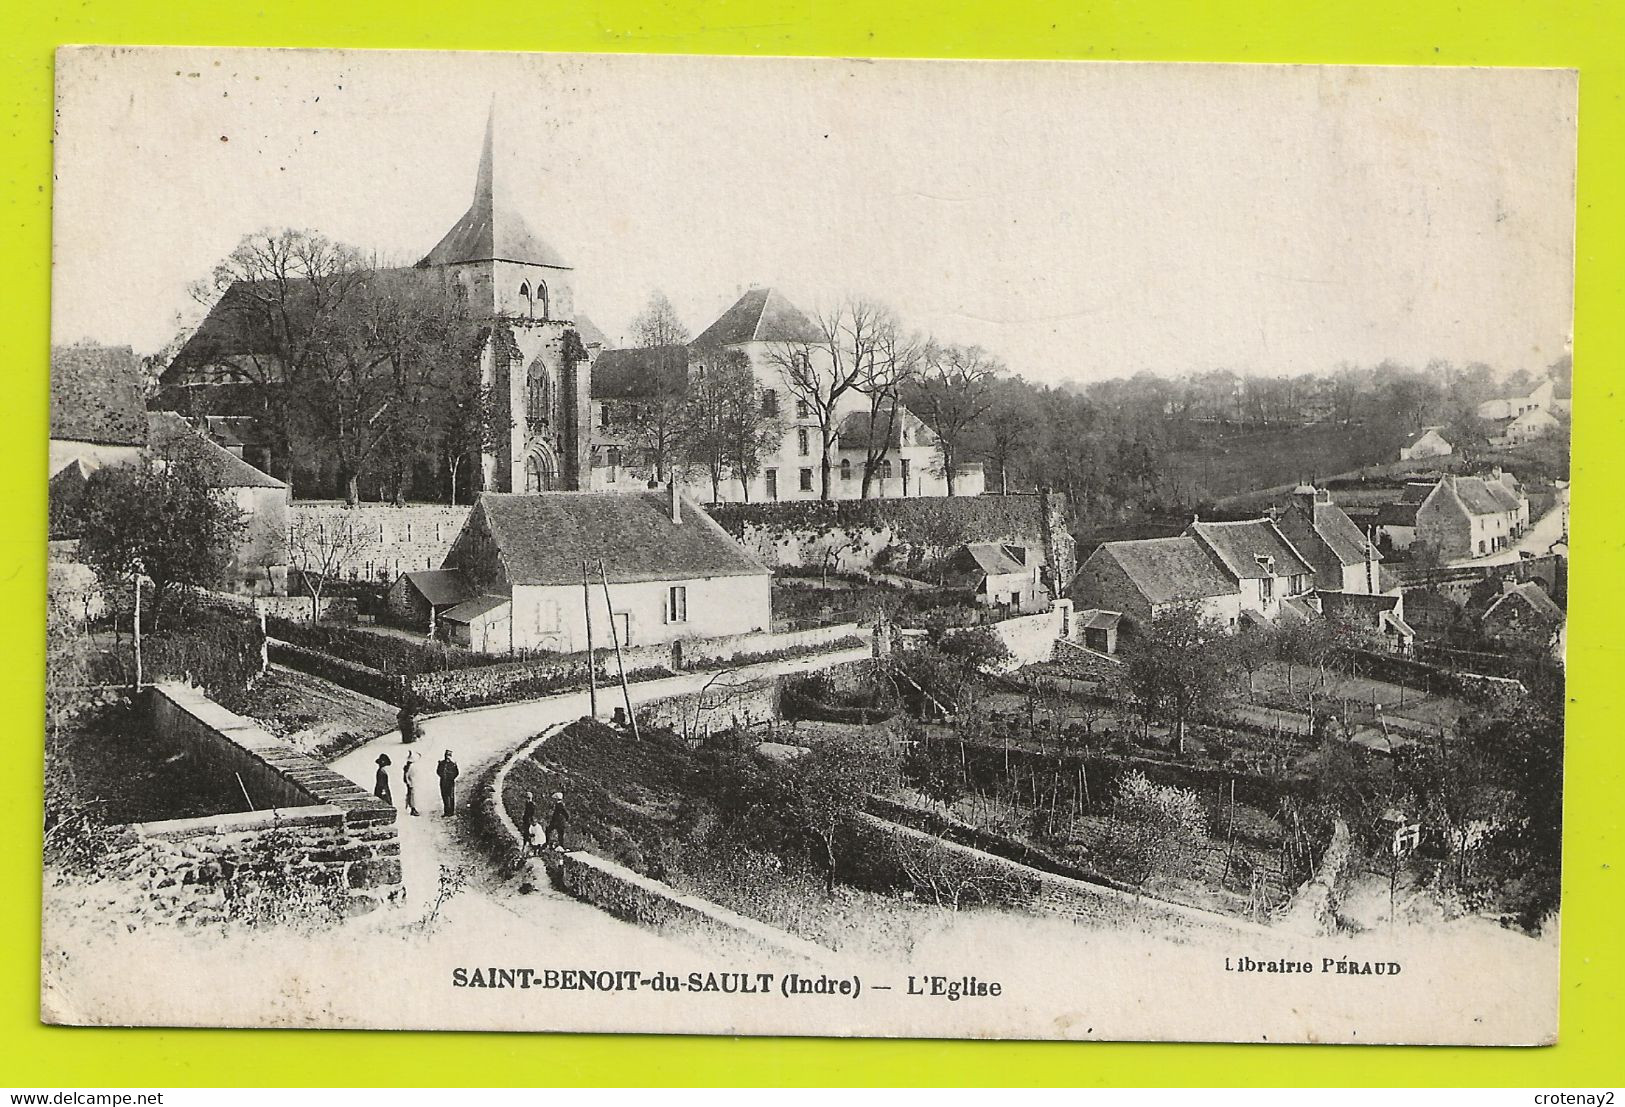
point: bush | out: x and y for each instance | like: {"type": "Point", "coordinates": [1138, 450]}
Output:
{"type": "Point", "coordinates": [389, 653]}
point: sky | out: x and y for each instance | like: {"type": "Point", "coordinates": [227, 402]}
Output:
{"type": "Point", "coordinates": [1078, 220]}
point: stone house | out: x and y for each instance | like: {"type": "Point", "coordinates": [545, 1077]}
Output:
{"type": "Point", "coordinates": [259, 563]}
{"type": "Point", "coordinates": [419, 599]}
{"type": "Point", "coordinates": [1143, 578]}
{"type": "Point", "coordinates": [1465, 517]}
{"type": "Point", "coordinates": [1266, 567]}
{"type": "Point", "coordinates": [1344, 559]}
{"type": "Point", "coordinates": [1380, 619]}
{"type": "Point", "coordinates": [1521, 614]}
{"type": "Point", "coordinates": [1515, 430]}
{"type": "Point", "coordinates": [998, 575]}
{"type": "Point", "coordinates": [1538, 398]}
{"type": "Point", "coordinates": [672, 572]}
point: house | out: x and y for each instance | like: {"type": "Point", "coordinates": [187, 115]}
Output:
{"type": "Point", "coordinates": [1515, 430]}
{"type": "Point", "coordinates": [1540, 397]}
{"type": "Point", "coordinates": [998, 575]}
{"type": "Point", "coordinates": [1377, 618]}
{"type": "Point", "coordinates": [259, 563]}
{"type": "Point", "coordinates": [1143, 578]}
{"type": "Point", "coordinates": [768, 331]}
{"type": "Point", "coordinates": [672, 573]}
{"type": "Point", "coordinates": [420, 598]}
{"type": "Point", "coordinates": [1265, 566]}
{"type": "Point", "coordinates": [97, 414]}
{"type": "Point", "coordinates": [1521, 614]}
{"type": "Point", "coordinates": [1427, 442]}
{"type": "Point", "coordinates": [1343, 558]}
{"type": "Point", "coordinates": [1464, 517]}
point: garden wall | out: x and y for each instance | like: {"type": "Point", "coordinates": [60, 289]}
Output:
{"type": "Point", "coordinates": [852, 534]}
{"type": "Point", "coordinates": [313, 833]}
{"type": "Point", "coordinates": [721, 706]}
{"type": "Point", "coordinates": [711, 653]}
{"type": "Point", "coordinates": [625, 894]}
{"type": "Point", "coordinates": [458, 688]}
{"type": "Point", "coordinates": [1016, 885]}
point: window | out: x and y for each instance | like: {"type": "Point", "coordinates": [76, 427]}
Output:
{"type": "Point", "coordinates": [612, 459]}
{"type": "Point", "coordinates": [539, 309]}
{"type": "Point", "coordinates": [903, 467]}
{"type": "Point", "coordinates": [802, 411]}
{"type": "Point", "coordinates": [771, 476]}
{"type": "Point", "coordinates": [806, 480]}
{"type": "Point", "coordinates": [885, 469]}
{"type": "Point", "coordinates": [538, 394]}
{"type": "Point", "coordinates": [801, 441]}
{"type": "Point", "coordinates": [524, 294]}
{"type": "Point", "coordinates": [677, 604]}
{"type": "Point", "coordinates": [770, 401]}
{"type": "Point", "coordinates": [846, 468]}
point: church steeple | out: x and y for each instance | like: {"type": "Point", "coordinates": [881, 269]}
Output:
{"type": "Point", "coordinates": [492, 229]}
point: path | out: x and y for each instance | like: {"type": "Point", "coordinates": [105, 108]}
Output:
{"type": "Point", "coordinates": [478, 737]}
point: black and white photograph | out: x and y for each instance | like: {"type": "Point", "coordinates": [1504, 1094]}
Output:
{"type": "Point", "coordinates": [720, 545]}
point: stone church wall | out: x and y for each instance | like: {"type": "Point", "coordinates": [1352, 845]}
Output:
{"type": "Point", "coordinates": [390, 540]}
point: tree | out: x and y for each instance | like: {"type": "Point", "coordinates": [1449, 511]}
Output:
{"type": "Point", "coordinates": [954, 391]}
{"type": "Point", "coordinates": [658, 324]}
{"type": "Point", "coordinates": [950, 877]}
{"type": "Point", "coordinates": [894, 360]}
{"type": "Point", "coordinates": [468, 425]}
{"type": "Point", "coordinates": [1013, 417]}
{"type": "Point", "coordinates": [284, 293]}
{"type": "Point", "coordinates": [724, 430]}
{"type": "Point", "coordinates": [320, 544]}
{"type": "Point", "coordinates": [160, 520]}
{"type": "Point", "coordinates": [822, 368]}
{"type": "Point", "coordinates": [1180, 663]}
{"type": "Point", "coordinates": [823, 790]}
{"type": "Point", "coordinates": [1153, 826]}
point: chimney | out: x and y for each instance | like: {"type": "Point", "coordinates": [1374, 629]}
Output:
{"type": "Point", "coordinates": [676, 503]}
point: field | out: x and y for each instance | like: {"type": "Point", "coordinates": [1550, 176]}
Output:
{"type": "Point", "coordinates": [1228, 464]}
{"type": "Point", "coordinates": [314, 716]}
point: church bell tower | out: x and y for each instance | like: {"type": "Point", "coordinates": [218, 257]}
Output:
{"type": "Point", "coordinates": [534, 361]}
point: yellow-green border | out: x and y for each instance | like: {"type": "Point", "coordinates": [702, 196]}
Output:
{"type": "Point", "coordinates": [1566, 33]}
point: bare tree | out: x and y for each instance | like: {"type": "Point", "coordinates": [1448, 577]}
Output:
{"type": "Point", "coordinates": [893, 362]}
{"type": "Point", "coordinates": [954, 392]}
{"type": "Point", "coordinates": [658, 325]}
{"type": "Point", "coordinates": [951, 877]}
{"type": "Point", "coordinates": [282, 293]}
{"type": "Point", "coordinates": [320, 544]}
{"type": "Point", "coordinates": [822, 368]}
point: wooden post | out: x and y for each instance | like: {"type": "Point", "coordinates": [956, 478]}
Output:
{"type": "Point", "coordinates": [592, 661]}
{"type": "Point", "coordinates": [137, 629]}
{"type": "Point", "coordinates": [620, 661]}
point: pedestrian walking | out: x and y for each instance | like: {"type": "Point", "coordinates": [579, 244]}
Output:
{"type": "Point", "coordinates": [409, 776]}
{"type": "Point", "coordinates": [447, 771]}
{"type": "Point", "coordinates": [408, 721]}
{"type": "Point", "coordinates": [558, 821]}
{"type": "Point", "coordinates": [380, 787]}
{"type": "Point", "coordinates": [528, 818]}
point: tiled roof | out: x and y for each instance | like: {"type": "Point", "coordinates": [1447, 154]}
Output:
{"type": "Point", "coordinates": [1098, 619]}
{"type": "Point", "coordinates": [1397, 515]}
{"type": "Point", "coordinates": [1239, 545]}
{"type": "Point", "coordinates": [1416, 491]}
{"type": "Point", "coordinates": [589, 332]}
{"type": "Point", "coordinates": [992, 558]}
{"type": "Point", "coordinates": [639, 372]}
{"type": "Point", "coordinates": [543, 537]}
{"type": "Point", "coordinates": [441, 586]}
{"type": "Point", "coordinates": [1168, 570]}
{"type": "Point", "coordinates": [760, 315]}
{"type": "Point", "coordinates": [169, 433]}
{"type": "Point", "coordinates": [1535, 596]}
{"type": "Point", "coordinates": [491, 230]}
{"type": "Point", "coordinates": [1334, 528]}
{"type": "Point", "coordinates": [96, 396]}
{"type": "Point", "coordinates": [1475, 495]}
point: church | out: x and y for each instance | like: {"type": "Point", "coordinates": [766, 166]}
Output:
{"type": "Point", "coordinates": [536, 359]}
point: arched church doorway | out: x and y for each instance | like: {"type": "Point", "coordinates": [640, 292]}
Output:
{"type": "Point", "coordinates": [541, 470]}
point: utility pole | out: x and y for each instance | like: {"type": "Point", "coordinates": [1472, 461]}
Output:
{"type": "Point", "coordinates": [592, 661]}
{"type": "Point", "coordinates": [137, 629]}
{"type": "Point", "coordinates": [620, 662]}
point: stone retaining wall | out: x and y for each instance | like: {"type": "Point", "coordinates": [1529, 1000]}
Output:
{"type": "Point", "coordinates": [710, 653]}
{"type": "Point", "coordinates": [311, 836]}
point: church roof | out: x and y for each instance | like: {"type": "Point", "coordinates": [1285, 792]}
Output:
{"type": "Point", "coordinates": [640, 372]}
{"type": "Point", "coordinates": [491, 230]}
{"type": "Point", "coordinates": [760, 315]}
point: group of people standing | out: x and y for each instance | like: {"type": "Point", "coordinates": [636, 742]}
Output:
{"type": "Point", "coordinates": [446, 770]}
{"type": "Point", "coordinates": [540, 836]}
